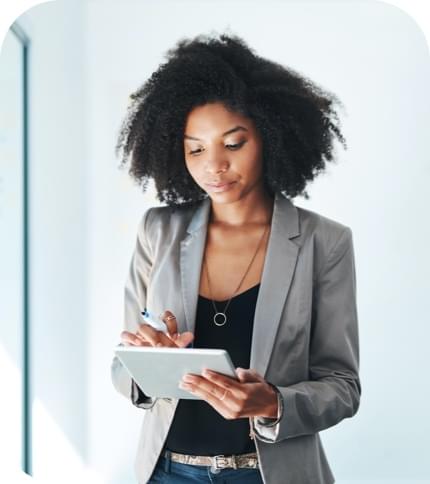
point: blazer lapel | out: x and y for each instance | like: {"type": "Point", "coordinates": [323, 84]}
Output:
{"type": "Point", "coordinates": [278, 271]}
{"type": "Point", "coordinates": [191, 257]}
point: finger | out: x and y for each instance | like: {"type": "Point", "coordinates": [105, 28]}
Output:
{"type": "Point", "coordinates": [227, 407]}
{"type": "Point", "coordinates": [224, 381]}
{"type": "Point", "coordinates": [184, 339]}
{"type": "Point", "coordinates": [154, 337]}
{"type": "Point", "coordinates": [170, 321]}
{"type": "Point", "coordinates": [143, 342]}
{"type": "Point", "coordinates": [211, 388]}
{"type": "Point", "coordinates": [131, 339]}
{"type": "Point", "coordinates": [200, 383]}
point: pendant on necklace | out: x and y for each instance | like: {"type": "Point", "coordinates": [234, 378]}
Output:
{"type": "Point", "coordinates": [223, 319]}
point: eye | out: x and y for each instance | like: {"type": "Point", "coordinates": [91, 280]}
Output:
{"type": "Point", "coordinates": [231, 147]}
{"type": "Point", "coordinates": [236, 146]}
{"type": "Point", "coordinates": [194, 152]}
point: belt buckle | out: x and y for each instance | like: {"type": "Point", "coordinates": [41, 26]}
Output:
{"type": "Point", "coordinates": [219, 462]}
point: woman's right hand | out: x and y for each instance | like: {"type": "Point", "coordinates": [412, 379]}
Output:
{"type": "Point", "coordinates": [146, 335]}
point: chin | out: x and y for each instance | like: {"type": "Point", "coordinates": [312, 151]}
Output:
{"type": "Point", "coordinates": [224, 198]}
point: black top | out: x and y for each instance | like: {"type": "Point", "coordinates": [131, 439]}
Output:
{"type": "Point", "coordinates": [197, 428]}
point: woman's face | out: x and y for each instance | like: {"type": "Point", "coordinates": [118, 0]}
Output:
{"type": "Point", "coordinates": [223, 153]}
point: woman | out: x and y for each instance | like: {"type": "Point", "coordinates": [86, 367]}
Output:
{"type": "Point", "coordinates": [230, 262]}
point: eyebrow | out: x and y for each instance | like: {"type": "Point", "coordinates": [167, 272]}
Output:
{"type": "Point", "coordinates": [236, 128]}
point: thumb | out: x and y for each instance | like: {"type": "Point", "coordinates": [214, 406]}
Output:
{"type": "Point", "coordinates": [184, 339]}
{"type": "Point", "coordinates": [248, 376]}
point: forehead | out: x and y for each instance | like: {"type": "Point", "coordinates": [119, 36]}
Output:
{"type": "Point", "coordinates": [214, 119]}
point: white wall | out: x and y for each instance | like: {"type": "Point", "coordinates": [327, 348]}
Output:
{"type": "Point", "coordinates": [374, 57]}
{"type": "Point", "coordinates": [58, 238]}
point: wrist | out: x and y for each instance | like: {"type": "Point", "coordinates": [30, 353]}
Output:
{"type": "Point", "coordinates": [274, 413]}
{"type": "Point", "coordinates": [272, 409]}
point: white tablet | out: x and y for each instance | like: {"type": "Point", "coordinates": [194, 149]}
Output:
{"type": "Point", "coordinates": [158, 371]}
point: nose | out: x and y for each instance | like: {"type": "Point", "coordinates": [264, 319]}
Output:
{"type": "Point", "coordinates": [215, 166]}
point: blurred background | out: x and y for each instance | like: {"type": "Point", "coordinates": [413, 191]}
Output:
{"type": "Point", "coordinates": [69, 215]}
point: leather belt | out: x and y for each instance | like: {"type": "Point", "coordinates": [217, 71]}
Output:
{"type": "Point", "coordinates": [248, 461]}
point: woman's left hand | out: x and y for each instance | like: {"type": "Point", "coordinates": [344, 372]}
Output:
{"type": "Point", "coordinates": [251, 396]}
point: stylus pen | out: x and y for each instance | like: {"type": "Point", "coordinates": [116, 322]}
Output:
{"type": "Point", "coordinates": [157, 324]}
{"type": "Point", "coordinates": [153, 321]}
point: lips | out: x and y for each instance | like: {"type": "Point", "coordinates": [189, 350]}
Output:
{"type": "Point", "coordinates": [220, 187]}
{"type": "Point", "coordinates": [219, 184]}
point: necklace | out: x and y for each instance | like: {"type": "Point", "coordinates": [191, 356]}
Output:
{"type": "Point", "coordinates": [220, 318]}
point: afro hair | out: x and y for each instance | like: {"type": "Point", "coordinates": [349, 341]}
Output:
{"type": "Point", "coordinates": [296, 119]}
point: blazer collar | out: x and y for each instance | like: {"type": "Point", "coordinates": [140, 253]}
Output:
{"type": "Point", "coordinates": [200, 216]}
{"type": "Point", "coordinates": [284, 212]}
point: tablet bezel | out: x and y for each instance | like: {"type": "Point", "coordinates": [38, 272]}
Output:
{"type": "Point", "coordinates": [159, 377]}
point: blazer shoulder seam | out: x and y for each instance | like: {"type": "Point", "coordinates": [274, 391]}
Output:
{"type": "Point", "coordinates": [346, 234]}
{"type": "Point", "coordinates": [146, 222]}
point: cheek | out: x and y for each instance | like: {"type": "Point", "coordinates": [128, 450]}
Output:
{"type": "Point", "coordinates": [251, 159]}
{"type": "Point", "coordinates": [250, 167]}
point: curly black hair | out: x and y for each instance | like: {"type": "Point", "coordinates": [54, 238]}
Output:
{"type": "Point", "coordinates": [296, 118]}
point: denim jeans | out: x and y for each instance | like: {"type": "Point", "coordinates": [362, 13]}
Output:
{"type": "Point", "coordinates": [168, 472]}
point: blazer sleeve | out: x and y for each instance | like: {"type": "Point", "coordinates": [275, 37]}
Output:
{"type": "Point", "coordinates": [134, 299]}
{"type": "Point", "coordinates": [333, 390]}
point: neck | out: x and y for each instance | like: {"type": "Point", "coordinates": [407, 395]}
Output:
{"type": "Point", "coordinates": [255, 208]}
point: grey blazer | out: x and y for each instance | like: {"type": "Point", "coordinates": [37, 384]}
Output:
{"type": "Point", "coordinates": [305, 337]}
